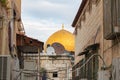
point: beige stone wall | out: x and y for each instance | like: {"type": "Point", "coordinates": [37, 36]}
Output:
{"type": "Point", "coordinates": [0, 29]}
{"type": "Point", "coordinates": [4, 49]}
{"type": "Point", "coordinates": [55, 64]}
{"type": "Point", "coordinates": [88, 29]}
{"type": "Point", "coordinates": [4, 39]}
{"type": "Point", "coordinates": [18, 4]}
{"type": "Point", "coordinates": [86, 32]}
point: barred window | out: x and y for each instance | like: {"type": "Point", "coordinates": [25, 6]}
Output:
{"type": "Point", "coordinates": [89, 71]}
{"type": "Point", "coordinates": [92, 67]}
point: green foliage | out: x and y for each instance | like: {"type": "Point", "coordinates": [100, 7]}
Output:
{"type": "Point", "coordinates": [4, 2]}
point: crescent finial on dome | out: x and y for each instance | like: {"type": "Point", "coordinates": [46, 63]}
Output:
{"type": "Point", "coordinates": [62, 26]}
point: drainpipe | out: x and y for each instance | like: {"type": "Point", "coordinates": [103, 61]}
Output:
{"type": "Point", "coordinates": [12, 27]}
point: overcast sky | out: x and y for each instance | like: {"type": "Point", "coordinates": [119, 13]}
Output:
{"type": "Point", "coordinates": [41, 18]}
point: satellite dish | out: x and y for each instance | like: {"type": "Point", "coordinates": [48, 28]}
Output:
{"type": "Point", "coordinates": [50, 50]}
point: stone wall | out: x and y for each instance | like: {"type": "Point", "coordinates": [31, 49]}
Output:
{"type": "Point", "coordinates": [89, 28]}
{"type": "Point", "coordinates": [60, 64]}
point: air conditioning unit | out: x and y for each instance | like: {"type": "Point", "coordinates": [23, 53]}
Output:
{"type": "Point", "coordinates": [5, 67]}
{"type": "Point", "coordinates": [111, 19]}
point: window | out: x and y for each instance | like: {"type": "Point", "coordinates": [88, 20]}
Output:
{"type": "Point", "coordinates": [91, 67]}
{"type": "Point", "coordinates": [90, 70]}
{"type": "Point", "coordinates": [55, 74]}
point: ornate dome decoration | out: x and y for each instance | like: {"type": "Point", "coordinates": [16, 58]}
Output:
{"type": "Point", "coordinates": [62, 37]}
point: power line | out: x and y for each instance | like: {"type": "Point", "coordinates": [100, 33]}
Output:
{"type": "Point", "coordinates": [104, 65]}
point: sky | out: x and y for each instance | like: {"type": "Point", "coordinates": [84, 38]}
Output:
{"type": "Point", "coordinates": [41, 18]}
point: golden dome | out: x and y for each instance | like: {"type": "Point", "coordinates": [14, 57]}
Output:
{"type": "Point", "coordinates": [63, 37]}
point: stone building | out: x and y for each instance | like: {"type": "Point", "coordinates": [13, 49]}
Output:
{"type": "Point", "coordinates": [63, 38]}
{"type": "Point", "coordinates": [54, 63]}
{"type": "Point", "coordinates": [50, 67]}
{"type": "Point", "coordinates": [29, 50]}
{"type": "Point", "coordinates": [59, 56]}
{"type": "Point", "coordinates": [10, 25]}
{"type": "Point", "coordinates": [57, 67]}
{"type": "Point", "coordinates": [97, 40]}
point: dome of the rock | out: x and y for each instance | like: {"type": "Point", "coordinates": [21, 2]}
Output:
{"type": "Point", "coordinates": [63, 37]}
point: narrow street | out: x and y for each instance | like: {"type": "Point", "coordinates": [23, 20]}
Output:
{"type": "Point", "coordinates": [59, 40]}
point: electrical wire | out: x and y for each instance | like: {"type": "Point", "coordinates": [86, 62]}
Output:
{"type": "Point", "coordinates": [89, 60]}
{"type": "Point", "coordinates": [18, 75]}
{"type": "Point", "coordinates": [110, 47]}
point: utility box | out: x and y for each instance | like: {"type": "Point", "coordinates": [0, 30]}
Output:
{"type": "Point", "coordinates": [5, 67]}
{"type": "Point", "coordinates": [104, 75]}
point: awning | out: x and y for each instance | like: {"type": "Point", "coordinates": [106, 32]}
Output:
{"type": "Point", "coordinates": [92, 47]}
{"type": "Point", "coordinates": [89, 48]}
{"type": "Point", "coordinates": [83, 53]}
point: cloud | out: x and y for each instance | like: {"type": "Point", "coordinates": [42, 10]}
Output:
{"type": "Point", "coordinates": [45, 6]}
{"type": "Point", "coordinates": [50, 9]}
{"type": "Point", "coordinates": [42, 18]}
{"type": "Point", "coordinates": [42, 29]}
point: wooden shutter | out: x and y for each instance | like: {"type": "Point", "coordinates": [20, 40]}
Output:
{"type": "Point", "coordinates": [115, 11]}
{"type": "Point", "coordinates": [111, 19]}
{"type": "Point", "coordinates": [107, 18]}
